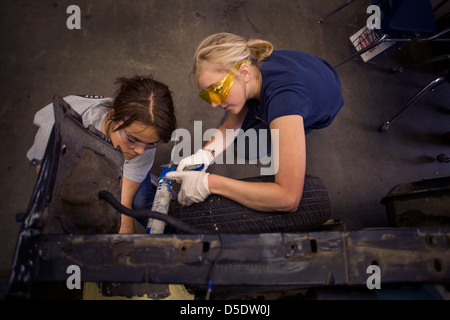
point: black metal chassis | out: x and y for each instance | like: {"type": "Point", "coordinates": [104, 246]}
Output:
{"type": "Point", "coordinates": [300, 260]}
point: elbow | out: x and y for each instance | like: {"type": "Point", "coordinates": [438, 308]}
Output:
{"type": "Point", "coordinates": [294, 206]}
{"type": "Point", "coordinates": [291, 203]}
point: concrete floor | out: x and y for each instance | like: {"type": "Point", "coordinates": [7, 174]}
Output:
{"type": "Point", "coordinates": [41, 57]}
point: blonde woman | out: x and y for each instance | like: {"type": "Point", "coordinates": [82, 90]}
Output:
{"type": "Point", "coordinates": [288, 91]}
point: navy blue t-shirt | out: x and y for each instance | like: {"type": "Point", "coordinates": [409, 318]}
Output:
{"type": "Point", "coordinates": [297, 83]}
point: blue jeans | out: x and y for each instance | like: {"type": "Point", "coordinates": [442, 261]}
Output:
{"type": "Point", "coordinates": [144, 197]}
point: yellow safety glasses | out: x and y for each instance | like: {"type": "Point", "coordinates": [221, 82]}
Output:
{"type": "Point", "coordinates": [218, 94]}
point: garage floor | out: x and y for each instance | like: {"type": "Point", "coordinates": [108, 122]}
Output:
{"type": "Point", "coordinates": [41, 57]}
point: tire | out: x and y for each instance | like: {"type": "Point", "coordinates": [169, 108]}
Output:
{"type": "Point", "coordinates": [219, 214]}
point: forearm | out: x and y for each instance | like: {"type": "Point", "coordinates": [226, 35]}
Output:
{"type": "Point", "coordinates": [221, 139]}
{"type": "Point", "coordinates": [127, 224]}
{"type": "Point", "coordinates": [285, 193]}
{"type": "Point", "coordinates": [259, 196]}
{"type": "Point", "coordinates": [224, 136]}
{"type": "Point", "coordinates": [129, 189]}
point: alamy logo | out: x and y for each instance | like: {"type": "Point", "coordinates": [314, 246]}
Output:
{"type": "Point", "coordinates": [74, 20]}
{"type": "Point", "coordinates": [374, 280]}
{"type": "Point", "coordinates": [374, 21]}
{"type": "Point", "coordinates": [74, 280]}
{"type": "Point", "coordinates": [251, 145]}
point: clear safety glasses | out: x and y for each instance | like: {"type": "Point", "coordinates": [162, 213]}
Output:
{"type": "Point", "coordinates": [135, 144]}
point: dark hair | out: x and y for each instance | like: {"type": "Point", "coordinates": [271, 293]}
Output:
{"type": "Point", "coordinates": [144, 100]}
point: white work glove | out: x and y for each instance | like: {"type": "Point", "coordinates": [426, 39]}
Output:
{"type": "Point", "coordinates": [194, 186]}
{"type": "Point", "coordinates": [200, 157]}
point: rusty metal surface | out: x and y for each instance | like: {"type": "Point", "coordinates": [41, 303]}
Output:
{"type": "Point", "coordinates": [65, 227]}
{"type": "Point", "coordinates": [78, 163]}
{"type": "Point", "coordinates": [305, 259]}
{"type": "Point", "coordinates": [422, 203]}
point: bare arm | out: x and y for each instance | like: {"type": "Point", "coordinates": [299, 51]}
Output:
{"type": "Point", "coordinates": [219, 141]}
{"type": "Point", "coordinates": [129, 189]}
{"type": "Point", "coordinates": [285, 193]}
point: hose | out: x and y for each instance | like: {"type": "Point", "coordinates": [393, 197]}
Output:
{"type": "Point", "coordinates": [172, 221]}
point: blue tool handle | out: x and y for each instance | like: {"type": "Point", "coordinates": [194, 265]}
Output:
{"type": "Point", "coordinates": [164, 191]}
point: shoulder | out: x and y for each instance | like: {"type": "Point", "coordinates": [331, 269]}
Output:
{"type": "Point", "coordinates": [91, 110]}
{"type": "Point", "coordinates": [83, 102]}
{"type": "Point", "coordinates": [80, 102]}
{"type": "Point", "coordinates": [287, 56]}
{"type": "Point", "coordinates": [290, 62]}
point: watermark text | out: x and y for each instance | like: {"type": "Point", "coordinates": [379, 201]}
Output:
{"type": "Point", "coordinates": [251, 146]}
{"type": "Point", "coordinates": [374, 21]}
{"type": "Point", "coordinates": [74, 20]}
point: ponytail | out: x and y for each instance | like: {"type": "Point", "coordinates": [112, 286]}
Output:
{"type": "Point", "coordinates": [226, 50]}
{"type": "Point", "coordinates": [260, 50]}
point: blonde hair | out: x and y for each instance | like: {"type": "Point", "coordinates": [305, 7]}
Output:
{"type": "Point", "coordinates": [226, 50]}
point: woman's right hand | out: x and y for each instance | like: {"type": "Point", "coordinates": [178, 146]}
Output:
{"type": "Point", "coordinates": [204, 157]}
